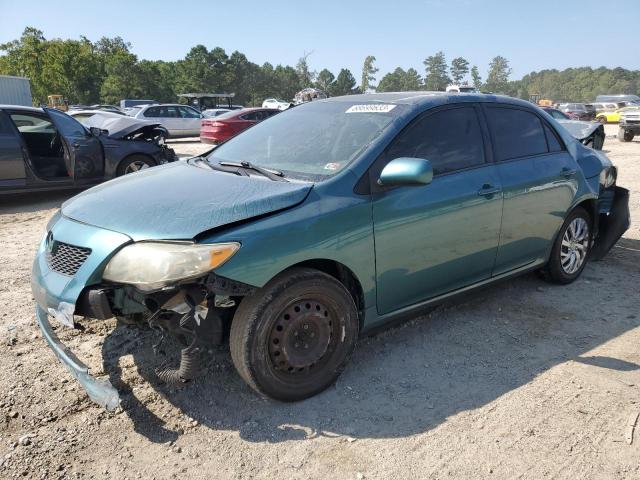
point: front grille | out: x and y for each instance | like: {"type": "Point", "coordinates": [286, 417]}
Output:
{"type": "Point", "coordinates": [64, 258]}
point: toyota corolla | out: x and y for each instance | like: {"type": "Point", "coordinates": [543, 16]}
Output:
{"type": "Point", "coordinates": [323, 223]}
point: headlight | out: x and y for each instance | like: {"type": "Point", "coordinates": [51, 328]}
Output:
{"type": "Point", "coordinates": [608, 177]}
{"type": "Point", "coordinates": [153, 265]}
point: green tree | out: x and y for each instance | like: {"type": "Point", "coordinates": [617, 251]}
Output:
{"type": "Point", "coordinates": [325, 80]}
{"type": "Point", "coordinates": [412, 80]}
{"type": "Point", "coordinates": [459, 69]}
{"type": "Point", "coordinates": [302, 68]}
{"type": "Point", "coordinates": [400, 81]}
{"type": "Point", "coordinates": [498, 76]}
{"type": "Point", "coordinates": [436, 69]}
{"type": "Point", "coordinates": [476, 79]}
{"type": "Point", "coordinates": [369, 71]}
{"type": "Point", "coordinates": [345, 84]}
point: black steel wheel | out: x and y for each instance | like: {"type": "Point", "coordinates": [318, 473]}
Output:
{"type": "Point", "coordinates": [292, 338]}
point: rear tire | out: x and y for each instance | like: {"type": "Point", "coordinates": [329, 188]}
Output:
{"type": "Point", "coordinates": [570, 250]}
{"type": "Point", "coordinates": [292, 338]}
{"type": "Point", "coordinates": [133, 164]}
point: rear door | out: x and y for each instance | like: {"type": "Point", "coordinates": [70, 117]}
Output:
{"type": "Point", "coordinates": [538, 181]}
{"type": "Point", "coordinates": [83, 152]}
{"type": "Point", "coordinates": [12, 171]}
{"type": "Point", "coordinates": [191, 120]}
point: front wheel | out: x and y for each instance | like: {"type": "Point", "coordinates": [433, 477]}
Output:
{"type": "Point", "coordinates": [292, 338]}
{"type": "Point", "coordinates": [625, 136]}
{"type": "Point", "coordinates": [571, 248]}
{"type": "Point", "coordinates": [133, 164]}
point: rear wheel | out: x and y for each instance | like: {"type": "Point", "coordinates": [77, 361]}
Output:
{"type": "Point", "coordinates": [571, 248]}
{"type": "Point", "coordinates": [133, 164]}
{"type": "Point", "coordinates": [292, 338]}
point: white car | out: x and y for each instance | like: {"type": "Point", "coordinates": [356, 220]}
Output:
{"type": "Point", "coordinates": [214, 112]}
{"type": "Point", "coordinates": [179, 120]}
{"type": "Point", "coordinates": [276, 104]}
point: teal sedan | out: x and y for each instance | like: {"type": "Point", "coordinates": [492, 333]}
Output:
{"type": "Point", "coordinates": [323, 223]}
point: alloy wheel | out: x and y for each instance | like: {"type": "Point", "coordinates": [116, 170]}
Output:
{"type": "Point", "coordinates": [575, 245]}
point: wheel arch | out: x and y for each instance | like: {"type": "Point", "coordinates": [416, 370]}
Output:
{"type": "Point", "coordinates": [343, 274]}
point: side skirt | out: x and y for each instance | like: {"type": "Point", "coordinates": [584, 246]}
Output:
{"type": "Point", "coordinates": [374, 323]}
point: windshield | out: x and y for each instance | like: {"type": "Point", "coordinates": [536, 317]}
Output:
{"type": "Point", "coordinates": [312, 141]}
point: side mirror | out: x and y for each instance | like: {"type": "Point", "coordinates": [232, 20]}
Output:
{"type": "Point", "coordinates": [406, 171]}
{"type": "Point", "coordinates": [96, 132]}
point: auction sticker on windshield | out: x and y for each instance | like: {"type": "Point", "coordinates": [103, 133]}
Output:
{"type": "Point", "coordinates": [370, 108]}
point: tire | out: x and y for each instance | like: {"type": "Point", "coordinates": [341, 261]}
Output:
{"type": "Point", "coordinates": [625, 136]}
{"type": "Point", "coordinates": [129, 164]}
{"type": "Point", "coordinates": [292, 338]}
{"type": "Point", "coordinates": [560, 268]}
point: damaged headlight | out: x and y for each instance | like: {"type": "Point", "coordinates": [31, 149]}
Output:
{"type": "Point", "coordinates": [153, 265]}
{"type": "Point", "coordinates": [608, 177]}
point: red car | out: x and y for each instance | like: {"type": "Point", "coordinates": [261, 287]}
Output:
{"type": "Point", "coordinates": [218, 129]}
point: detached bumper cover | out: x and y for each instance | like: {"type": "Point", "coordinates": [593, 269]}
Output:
{"type": "Point", "coordinates": [100, 391]}
{"type": "Point", "coordinates": [58, 295]}
{"type": "Point", "coordinates": [613, 225]}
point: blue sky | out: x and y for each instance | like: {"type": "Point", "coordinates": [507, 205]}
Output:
{"type": "Point", "coordinates": [532, 34]}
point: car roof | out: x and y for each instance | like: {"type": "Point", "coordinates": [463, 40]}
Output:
{"type": "Point", "coordinates": [22, 108]}
{"type": "Point", "coordinates": [427, 98]}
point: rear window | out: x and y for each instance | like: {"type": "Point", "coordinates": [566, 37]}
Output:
{"type": "Point", "coordinates": [516, 133]}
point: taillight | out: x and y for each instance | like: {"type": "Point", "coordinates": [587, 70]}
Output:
{"type": "Point", "coordinates": [206, 123]}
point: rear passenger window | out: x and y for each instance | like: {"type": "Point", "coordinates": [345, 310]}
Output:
{"type": "Point", "coordinates": [552, 140]}
{"type": "Point", "coordinates": [151, 112]}
{"type": "Point", "coordinates": [451, 140]}
{"type": "Point", "coordinates": [516, 133]}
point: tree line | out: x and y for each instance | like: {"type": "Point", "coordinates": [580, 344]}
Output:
{"type": "Point", "coordinates": [106, 71]}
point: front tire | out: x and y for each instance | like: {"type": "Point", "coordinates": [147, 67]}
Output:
{"type": "Point", "coordinates": [624, 136]}
{"type": "Point", "coordinates": [133, 164]}
{"type": "Point", "coordinates": [571, 249]}
{"type": "Point", "coordinates": [292, 338]}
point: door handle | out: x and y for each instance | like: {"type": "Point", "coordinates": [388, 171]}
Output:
{"type": "Point", "coordinates": [76, 145]}
{"type": "Point", "coordinates": [488, 190]}
{"type": "Point", "coordinates": [568, 172]}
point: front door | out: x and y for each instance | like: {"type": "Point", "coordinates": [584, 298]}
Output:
{"type": "Point", "coordinates": [433, 239]}
{"type": "Point", "coordinates": [538, 181]}
{"type": "Point", "coordinates": [12, 171]}
{"type": "Point", "coordinates": [83, 152]}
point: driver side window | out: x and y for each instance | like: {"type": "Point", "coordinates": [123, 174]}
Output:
{"type": "Point", "coordinates": [450, 139]}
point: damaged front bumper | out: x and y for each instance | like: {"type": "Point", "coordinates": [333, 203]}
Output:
{"type": "Point", "coordinates": [57, 290]}
{"type": "Point", "coordinates": [100, 391]}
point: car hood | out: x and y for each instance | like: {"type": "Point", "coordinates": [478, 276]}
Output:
{"type": "Point", "coordinates": [579, 129]}
{"type": "Point", "coordinates": [179, 201]}
{"type": "Point", "coordinates": [119, 128]}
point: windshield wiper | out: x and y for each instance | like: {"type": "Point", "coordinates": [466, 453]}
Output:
{"type": "Point", "coordinates": [275, 175]}
{"type": "Point", "coordinates": [203, 162]}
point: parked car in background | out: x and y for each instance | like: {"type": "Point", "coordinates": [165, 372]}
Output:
{"type": "Point", "coordinates": [276, 104]}
{"type": "Point", "coordinates": [136, 102]}
{"type": "Point", "coordinates": [179, 120]}
{"type": "Point", "coordinates": [45, 149]}
{"type": "Point", "coordinates": [218, 129]}
{"type": "Point", "coordinates": [619, 98]}
{"type": "Point", "coordinates": [578, 111]}
{"type": "Point", "coordinates": [591, 134]}
{"type": "Point", "coordinates": [629, 125]}
{"type": "Point", "coordinates": [214, 112]}
{"type": "Point", "coordinates": [322, 224]}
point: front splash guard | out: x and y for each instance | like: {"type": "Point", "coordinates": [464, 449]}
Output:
{"type": "Point", "coordinates": [100, 391]}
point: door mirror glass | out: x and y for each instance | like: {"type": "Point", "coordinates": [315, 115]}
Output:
{"type": "Point", "coordinates": [406, 171]}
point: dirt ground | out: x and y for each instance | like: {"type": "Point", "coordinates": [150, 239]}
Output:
{"type": "Point", "coordinates": [523, 380]}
